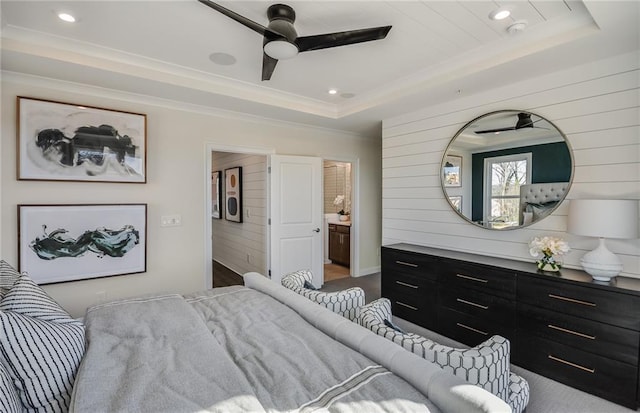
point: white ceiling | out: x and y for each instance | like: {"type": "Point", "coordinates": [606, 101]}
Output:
{"type": "Point", "coordinates": [435, 51]}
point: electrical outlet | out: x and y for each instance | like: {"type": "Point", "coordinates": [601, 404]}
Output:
{"type": "Point", "coordinates": [247, 213]}
{"type": "Point", "coordinates": [249, 258]}
{"type": "Point", "coordinates": [170, 221]}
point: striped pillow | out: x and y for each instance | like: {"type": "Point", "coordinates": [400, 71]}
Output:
{"type": "Point", "coordinates": [8, 276]}
{"type": "Point", "coordinates": [9, 402]}
{"type": "Point", "coordinates": [41, 346]}
{"type": "Point", "coordinates": [27, 298]}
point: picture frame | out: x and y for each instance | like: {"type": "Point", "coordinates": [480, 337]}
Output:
{"type": "Point", "coordinates": [60, 141]}
{"type": "Point", "coordinates": [456, 202]}
{"type": "Point", "coordinates": [62, 243]}
{"type": "Point", "coordinates": [452, 171]}
{"type": "Point", "coordinates": [216, 195]}
{"type": "Point", "coordinates": [233, 194]}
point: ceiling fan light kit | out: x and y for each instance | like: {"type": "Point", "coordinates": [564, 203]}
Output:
{"type": "Point", "coordinates": [281, 41]}
{"type": "Point", "coordinates": [280, 50]}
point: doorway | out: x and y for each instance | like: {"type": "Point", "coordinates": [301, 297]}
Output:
{"type": "Point", "coordinates": [338, 196]}
{"type": "Point", "coordinates": [264, 267]}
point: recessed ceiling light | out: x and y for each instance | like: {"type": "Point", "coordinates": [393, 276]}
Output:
{"type": "Point", "coordinates": [333, 91]}
{"type": "Point", "coordinates": [347, 95]}
{"type": "Point", "coordinates": [499, 14]}
{"type": "Point", "coordinates": [223, 59]}
{"type": "Point", "coordinates": [66, 17]}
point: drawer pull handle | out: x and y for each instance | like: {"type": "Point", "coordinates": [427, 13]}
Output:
{"type": "Point", "coordinates": [408, 264]}
{"type": "Point", "coordinates": [460, 300]}
{"type": "Point", "coordinates": [575, 333]}
{"type": "Point", "coordinates": [466, 277]}
{"type": "Point", "coordinates": [484, 333]}
{"type": "Point", "coordinates": [568, 363]}
{"type": "Point", "coordinates": [407, 305]}
{"type": "Point", "coordinates": [572, 300]}
{"type": "Point", "coordinates": [407, 284]}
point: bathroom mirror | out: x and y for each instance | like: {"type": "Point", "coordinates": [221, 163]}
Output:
{"type": "Point", "coordinates": [507, 169]}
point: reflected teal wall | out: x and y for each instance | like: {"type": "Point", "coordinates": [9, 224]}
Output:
{"type": "Point", "coordinates": [550, 163]}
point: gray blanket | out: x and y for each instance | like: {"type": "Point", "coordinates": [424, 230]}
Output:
{"type": "Point", "coordinates": [226, 350]}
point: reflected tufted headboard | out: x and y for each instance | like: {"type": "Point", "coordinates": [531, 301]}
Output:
{"type": "Point", "coordinates": [538, 200]}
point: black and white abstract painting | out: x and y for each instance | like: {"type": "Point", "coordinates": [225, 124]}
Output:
{"type": "Point", "coordinates": [62, 141]}
{"type": "Point", "coordinates": [59, 243]}
{"type": "Point", "coordinates": [233, 194]}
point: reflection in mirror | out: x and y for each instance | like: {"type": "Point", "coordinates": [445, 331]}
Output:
{"type": "Point", "coordinates": [507, 169]}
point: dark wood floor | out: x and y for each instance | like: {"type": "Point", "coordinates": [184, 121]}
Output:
{"type": "Point", "coordinates": [224, 277]}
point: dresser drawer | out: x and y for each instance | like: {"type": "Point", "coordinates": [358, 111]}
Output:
{"type": "Point", "coordinates": [468, 329]}
{"type": "Point", "coordinates": [486, 306]}
{"type": "Point", "coordinates": [402, 262]}
{"type": "Point", "coordinates": [479, 277]}
{"type": "Point", "coordinates": [610, 307]}
{"type": "Point", "coordinates": [610, 341]}
{"type": "Point", "coordinates": [420, 310]}
{"type": "Point", "coordinates": [408, 284]}
{"type": "Point", "coordinates": [610, 379]}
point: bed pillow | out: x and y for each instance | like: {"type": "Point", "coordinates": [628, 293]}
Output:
{"type": "Point", "coordinates": [28, 298]}
{"type": "Point", "coordinates": [10, 402]}
{"type": "Point", "coordinates": [8, 276]}
{"type": "Point", "coordinates": [41, 346]}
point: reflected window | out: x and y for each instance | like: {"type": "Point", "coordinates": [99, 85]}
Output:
{"type": "Point", "coordinates": [503, 176]}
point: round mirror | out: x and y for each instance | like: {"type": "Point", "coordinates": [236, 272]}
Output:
{"type": "Point", "coordinates": [507, 169]}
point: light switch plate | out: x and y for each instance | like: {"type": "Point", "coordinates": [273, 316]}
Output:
{"type": "Point", "coordinates": [170, 221]}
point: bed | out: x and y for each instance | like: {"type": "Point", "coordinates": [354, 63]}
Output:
{"type": "Point", "coordinates": [252, 348]}
{"type": "Point", "coordinates": [539, 200]}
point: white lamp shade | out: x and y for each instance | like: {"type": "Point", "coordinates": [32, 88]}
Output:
{"type": "Point", "coordinates": [603, 218]}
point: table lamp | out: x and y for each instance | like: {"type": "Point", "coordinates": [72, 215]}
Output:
{"type": "Point", "coordinates": [603, 218]}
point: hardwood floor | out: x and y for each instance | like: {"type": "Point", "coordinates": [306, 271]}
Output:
{"type": "Point", "coordinates": [224, 277]}
{"type": "Point", "coordinates": [335, 272]}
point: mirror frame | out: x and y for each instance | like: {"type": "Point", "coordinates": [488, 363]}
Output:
{"type": "Point", "coordinates": [462, 129]}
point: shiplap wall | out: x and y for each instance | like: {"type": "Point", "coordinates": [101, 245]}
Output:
{"type": "Point", "coordinates": [243, 246]}
{"type": "Point", "coordinates": [597, 106]}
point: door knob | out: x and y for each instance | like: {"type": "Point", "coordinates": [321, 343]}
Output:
{"type": "Point", "coordinates": [316, 230]}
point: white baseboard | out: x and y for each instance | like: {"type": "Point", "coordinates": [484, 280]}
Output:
{"type": "Point", "coordinates": [367, 271]}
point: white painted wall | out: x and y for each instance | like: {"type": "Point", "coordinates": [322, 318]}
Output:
{"type": "Point", "coordinates": [595, 105]}
{"type": "Point", "coordinates": [242, 247]}
{"type": "Point", "coordinates": [178, 135]}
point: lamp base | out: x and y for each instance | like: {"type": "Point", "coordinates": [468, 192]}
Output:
{"type": "Point", "coordinates": [601, 264]}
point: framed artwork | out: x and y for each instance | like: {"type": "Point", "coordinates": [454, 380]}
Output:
{"type": "Point", "coordinates": [452, 171]}
{"type": "Point", "coordinates": [60, 243]}
{"type": "Point", "coordinates": [216, 193]}
{"type": "Point", "coordinates": [68, 142]}
{"type": "Point", "coordinates": [233, 194]}
{"type": "Point", "coordinates": [456, 202]}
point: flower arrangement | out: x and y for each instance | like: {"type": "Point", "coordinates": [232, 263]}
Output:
{"type": "Point", "coordinates": [340, 201]}
{"type": "Point", "coordinates": [549, 247]}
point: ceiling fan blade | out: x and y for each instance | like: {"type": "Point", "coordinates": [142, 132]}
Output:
{"type": "Point", "coordinates": [323, 41]}
{"type": "Point", "coordinates": [268, 66]}
{"type": "Point", "coordinates": [480, 132]}
{"type": "Point", "coordinates": [256, 27]}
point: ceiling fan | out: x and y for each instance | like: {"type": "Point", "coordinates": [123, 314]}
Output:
{"type": "Point", "coordinates": [282, 42]}
{"type": "Point", "coordinates": [524, 121]}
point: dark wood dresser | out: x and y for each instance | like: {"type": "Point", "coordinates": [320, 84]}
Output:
{"type": "Point", "coordinates": [564, 326]}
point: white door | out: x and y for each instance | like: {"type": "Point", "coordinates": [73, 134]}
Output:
{"type": "Point", "coordinates": [296, 216]}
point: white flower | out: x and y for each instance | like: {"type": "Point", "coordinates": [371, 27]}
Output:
{"type": "Point", "coordinates": [339, 200]}
{"type": "Point", "coordinates": [548, 246]}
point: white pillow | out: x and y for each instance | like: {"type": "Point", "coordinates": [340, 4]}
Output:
{"type": "Point", "coordinates": [41, 346]}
